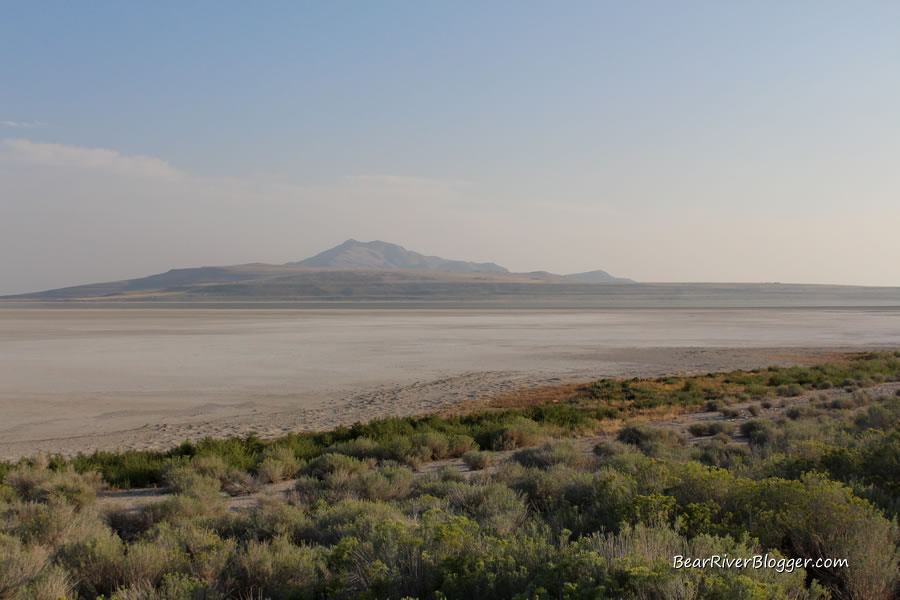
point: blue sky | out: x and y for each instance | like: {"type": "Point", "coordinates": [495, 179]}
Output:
{"type": "Point", "coordinates": [657, 140]}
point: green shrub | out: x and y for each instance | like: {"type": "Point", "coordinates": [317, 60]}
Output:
{"type": "Point", "coordinates": [606, 449]}
{"type": "Point", "coordinates": [184, 479]}
{"type": "Point", "coordinates": [49, 523]}
{"type": "Point", "coordinates": [822, 518]}
{"type": "Point", "coordinates": [241, 483]}
{"type": "Point", "coordinates": [884, 417]}
{"type": "Point", "coordinates": [131, 468]}
{"type": "Point", "coordinates": [714, 406]}
{"type": "Point", "coordinates": [492, 506]}
{"type": "Point", "coordinates": [649, 551]}
{"type": "Point", "coordinates": [803, 411]}
{"type": "Point", "coordinates": [431, 445]}
{"type": "Point", "coordinates": [567, 416]}
{"type": "Point", "coordinates": [652, 441]}
{"type": "Point", "coordinates": [336, 466]}
{"type": "Point", "coordinates": [95, 562]}
{"type": "Point", "coordinates": [387, 484]}
{"type": "Point", "coordinates": [756, 390]}
{"type": "Point", "coordinates": [361, 448]}
{"type": "Point", "coordinates": [310, 491]}
{"type": "Point", "coordinates": [182, 508]}
{"type": "Point", "coordinates": [477, 460]}
{"type": "Point", "coordinates": [413, 455]}
{"type": "Point", "coordinates": [174, 586]}
{"type": "Point", "coordinates": [710, 428]}
{"type": "Point", "coordinates": [26, 480]}
{"type": "Point", "coordinates": [278, 463]}
{"type": "Point", "coordinates": [279, 569]}
{"type": "Point", "coordinates": [760, 432]}
{"type": "Point", "coordinates": [19, 565]}
{"type": "Point", "coordinates": [458, 445]}
{"type": "Point", "coordinates": [845, 403]}
{"type": "Point", "coordinates": [548, 455]}
{"type": "Point", "coordinates": [52, 584]}
{"type": "Point", "coordinates": [518, 433]}
{"type": "Point", "coordinates": [272, 470]}
{"type": "Point", "coordinates": [721, 453]}
{"type": "Point", "coordinates": [791, 390]}
{"type": "Point", "coordinates": [861, 398]}
{"type": "Point", "coordinates": [41, 484]}
{"type": "Point", "coordinates": [211, 466]}
{"type": "Point", "coordinates": [146, 562]}
{"type": "Point", "coordinates": [193, 549]}
{"type": "Point", "coordinates": [330, 523]}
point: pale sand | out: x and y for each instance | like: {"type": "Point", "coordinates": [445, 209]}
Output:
{"type": "Point", "coordinates": [83, 379]}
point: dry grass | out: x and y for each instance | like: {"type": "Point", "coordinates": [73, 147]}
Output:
{"type": "Point", "coordinates": [808, 360]}
{"type": "Point", "coordinates": [516, 399]}
{"type": "Point", "coordinates": [528, 397]}
{"type": "Point", "coordinates": [714, 383]}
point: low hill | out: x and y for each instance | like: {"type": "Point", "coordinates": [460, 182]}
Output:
{"type": "Point", "coordinates": [598, 277]}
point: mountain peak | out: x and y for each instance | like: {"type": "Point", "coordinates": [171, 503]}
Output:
{"type": "Point", "coordinates": [385, 256]}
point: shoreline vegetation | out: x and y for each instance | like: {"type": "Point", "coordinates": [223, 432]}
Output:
{"type": "Point", "coordinates": [577, 491]}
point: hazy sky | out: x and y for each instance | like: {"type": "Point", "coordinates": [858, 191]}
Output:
{"type": "Point", "coordinates": [663, 141]}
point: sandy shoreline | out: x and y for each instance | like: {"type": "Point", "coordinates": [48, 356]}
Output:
{"type": "Point", "coordinates": [80, 380]}
{"type": "Point", "coordinates": [411, 399]}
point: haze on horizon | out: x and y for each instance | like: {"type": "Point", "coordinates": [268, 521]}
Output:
{"type": "Point", "coordinates": [691, 141]}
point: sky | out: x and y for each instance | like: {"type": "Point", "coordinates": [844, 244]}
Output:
{"type": "Point", "coordinates": [662, 141]}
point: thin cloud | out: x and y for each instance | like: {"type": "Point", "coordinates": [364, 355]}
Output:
{"type": "Point", "coordinates": [22, 124]}
{"type": "Point", "coordinates": [580, 209]}
{"type": "Point", "coordinates": [76, 157]}
{"type": "Point", "coordinates": [407, 180]}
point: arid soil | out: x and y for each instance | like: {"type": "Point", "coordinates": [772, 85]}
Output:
{"type": "Point", "coordinates": [77, 380]}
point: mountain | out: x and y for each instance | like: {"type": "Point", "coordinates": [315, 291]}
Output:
{"type": "Point", "coordinates": [383, 256]}
{"type": "Point", "coordinates": [351, 271]}
{"type": "Point", "coordinates": [598, 277]}
{"type": "Point", "coordinates": [379, 273]}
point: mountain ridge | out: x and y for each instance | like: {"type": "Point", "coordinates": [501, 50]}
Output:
{"type": "Point", "coordinates": [379, 255]}
{"type": "Point", "coordinates": [351, 270]}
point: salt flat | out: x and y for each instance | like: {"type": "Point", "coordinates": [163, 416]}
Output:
{"type": "Point", "coordinates": [76, 379]}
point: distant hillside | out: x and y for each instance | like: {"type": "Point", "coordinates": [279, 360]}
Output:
{"type": "Point", "coordinates": [175, 280]}
{"type": "Point", "coordinates": [294, 282]}
{"type": "Point", "coordinates": [381, 272]}
{"type": "Point", "coordinates": [351, 271]}
{"type": "Point", "coordinates": [273, 284]}
{"type": "Point", "coordinates": [382, 256]}
{"type": "Point", "coordinates": [598, 277]}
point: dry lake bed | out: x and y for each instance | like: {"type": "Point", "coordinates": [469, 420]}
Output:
{"type": "Point", "coordinates": [79, 379]}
